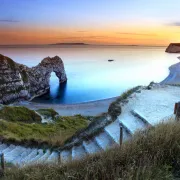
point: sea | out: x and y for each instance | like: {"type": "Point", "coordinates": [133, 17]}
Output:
{"type": "Point", "coordinates": [90, 75]}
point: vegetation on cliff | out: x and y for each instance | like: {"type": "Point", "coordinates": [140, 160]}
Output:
{"type": "Point", "coordinates": [35, 134]}
{"type": "Point", "coordinates": [48, 113]}
{"type": "Point", "coordinates": [152, 154]}
{"type": "Point", "coordinates": [115, 107]}
{"type": "Point", "coordinates": [19, 114]}
{"type": "Point", "coordinates": [10, 62]}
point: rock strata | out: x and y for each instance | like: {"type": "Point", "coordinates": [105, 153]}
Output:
{"type": "Point", "coordinates": [19, 82]}
{"type": "Point", "coordinates": [173, 48]}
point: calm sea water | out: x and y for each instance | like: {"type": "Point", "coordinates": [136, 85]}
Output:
{"type": "Point", "coordinates": [91, 76]}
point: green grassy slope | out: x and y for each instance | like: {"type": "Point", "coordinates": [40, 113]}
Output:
{"type": "Point", "coordinates": [152, 154]}
{"type": "Point", "coordinates": [19, 114]}
{"type": "Point", "coordinates": [53, 134]}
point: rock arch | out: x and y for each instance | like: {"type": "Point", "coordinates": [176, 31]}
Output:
{"type": "Point", "coordinates": [54, 64]}
{"type": "Point", "coordinates": [18, 81]}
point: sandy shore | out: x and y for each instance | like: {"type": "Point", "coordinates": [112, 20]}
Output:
{"type": "Point", "coordinates": [92, 108]}
{"type": "Point", "coordinates": [174, 75]}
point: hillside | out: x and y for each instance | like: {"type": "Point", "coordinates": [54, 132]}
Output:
{"type": "Point", "coordinates": [152, 154]}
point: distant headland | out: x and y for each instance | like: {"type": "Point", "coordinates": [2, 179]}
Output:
{"type": "Point", "coordinates": [173, 48]}
{"type": "Point", "coordinates": [69, 44]}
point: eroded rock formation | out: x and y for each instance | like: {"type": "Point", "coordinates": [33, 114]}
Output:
{"type": "Point", "coordinates": [18, 81]}
{"type": "Point", "coordinates": [173, 48]}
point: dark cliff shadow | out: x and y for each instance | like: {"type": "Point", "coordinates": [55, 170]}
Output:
{"type": "Point", "coordinates": [56, 94]}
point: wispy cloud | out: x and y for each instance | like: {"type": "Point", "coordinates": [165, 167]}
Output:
{"type": "Point", "coordinates": [8, 21]}
{"type": "Point", "coordinates": [81, 31]}
{"type": "Point", "coordinates": [174, 24]}
{"type": "Point", "coordinates": [79, 37]}
{"type": "Point", "coordinates": [136, 34]}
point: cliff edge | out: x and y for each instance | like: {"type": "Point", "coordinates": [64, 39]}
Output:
{"type": "Point", "coordinates": [173, 48]}
{"type": "Point", "coordinates": [19, 82]}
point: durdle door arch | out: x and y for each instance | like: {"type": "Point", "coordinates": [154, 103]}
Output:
{"type": "Point", "coordinates": [18, 81]}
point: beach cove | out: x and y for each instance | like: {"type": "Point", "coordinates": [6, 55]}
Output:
{"type": "Point", "coordinates": [95, 108]}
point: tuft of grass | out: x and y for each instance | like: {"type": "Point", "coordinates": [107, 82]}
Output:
{"type": "Point", "coordinates": [49, 135]}
{"type": "Point", "coordinates": [114, 109]}
{"type": "Point", "coordinates": [48, 113]}
{"type": "Point", "coordinates": [151, 154]}
{"type": "Point", "coordinates": [21, 114]}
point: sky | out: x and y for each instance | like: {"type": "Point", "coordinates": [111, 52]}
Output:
{"type": "Point", "coordinates": [125, 22]}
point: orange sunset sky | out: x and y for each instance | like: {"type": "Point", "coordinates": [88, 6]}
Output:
{"type": "Point", "coordinates": [126, 22]}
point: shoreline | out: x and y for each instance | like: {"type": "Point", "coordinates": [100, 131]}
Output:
{"type": "Point", "coordinates": [97, 107]}
{"type": "Point", "coordinates": [92, 108]}
{"type": "Point", "coordinates": [174, 75]}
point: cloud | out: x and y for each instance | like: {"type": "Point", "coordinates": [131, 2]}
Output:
{"type": "Point", "coordinates": [174, 24]}
{"type": "Point", "coordinates": [8, 21]}
{"type": "Point", "coordinates": [80, 37]}
{"type": "Point", "coordinates": [82, 31]}
{"type": "Point", "coordinates": [136, 34]}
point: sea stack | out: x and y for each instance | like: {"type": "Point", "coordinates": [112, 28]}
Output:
{"type": "Point", "coordinates": [19, 82]}
{"type": "Point", "coordinates": [173, 48]}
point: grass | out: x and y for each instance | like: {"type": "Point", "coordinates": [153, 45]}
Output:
{"type": "Point", "coordinates": [48, 113]}
{"type": "Point", "coordinates": [115, 109]}
{"type": "Point", "coordinates": [19, 114]}
{"type": "Point", "coordinates": [152, 154]}
{"type": "Point", "coordinates": [34, 134]}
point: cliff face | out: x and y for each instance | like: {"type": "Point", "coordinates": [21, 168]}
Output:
{"type": "Point", "coordinates": [173, 48]}
{"type": "Point", "coordinates": [17, 81]}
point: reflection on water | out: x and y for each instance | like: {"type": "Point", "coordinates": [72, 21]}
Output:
{"type": "Point", "coordinates": [91, 76]}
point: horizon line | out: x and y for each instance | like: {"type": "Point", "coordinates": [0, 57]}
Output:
{"type": "Point", "coordinates": [81, 44]}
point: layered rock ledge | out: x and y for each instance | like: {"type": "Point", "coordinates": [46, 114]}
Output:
{"type": "Point", "coordinates": [173, 48]}
{"type": "Point", "coordinates": [19, 82]}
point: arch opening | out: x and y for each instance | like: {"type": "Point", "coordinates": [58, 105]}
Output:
{"type": "Point", "coordinates": [54, 85]}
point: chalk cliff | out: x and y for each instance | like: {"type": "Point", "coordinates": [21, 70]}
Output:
{"type": "Point", "coordinates": [18, 81]}
{"type": "Point", "coordinates": [173, 48]}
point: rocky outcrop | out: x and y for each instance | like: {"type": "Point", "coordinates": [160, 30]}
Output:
{"type": "Point", "coordinates": [173, 48]}
{"type": "Point", "coordinates": [18, 81]}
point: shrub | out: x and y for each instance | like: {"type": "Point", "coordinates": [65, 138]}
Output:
{"type": "Point", "coordinates": [114, 109]}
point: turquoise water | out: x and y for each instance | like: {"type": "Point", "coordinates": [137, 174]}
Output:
{"type": "Point", "coordinates": [90, 75]}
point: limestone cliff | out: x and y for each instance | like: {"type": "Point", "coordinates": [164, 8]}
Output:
{"type": "Point", "coordinates": [173, 48]}
{"type": "Point", "coordinates": [18, 81]}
